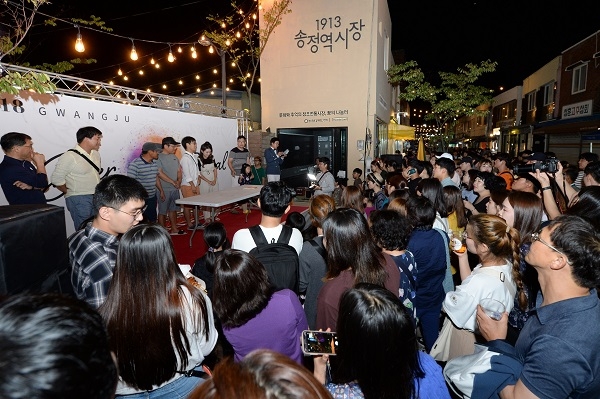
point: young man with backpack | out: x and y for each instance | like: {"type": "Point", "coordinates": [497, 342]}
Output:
{"type": "Point", "coordinates": [276, 246]}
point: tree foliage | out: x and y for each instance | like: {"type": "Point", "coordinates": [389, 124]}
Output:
{"type": "Point", "coordinates": [246, 48]}
{"type": "Point", "coordinates": [457, 95]}
{"type": "Point", "coordinates": [19, 16]}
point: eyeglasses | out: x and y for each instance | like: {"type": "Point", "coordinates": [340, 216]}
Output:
{"type": "Point", "coordinates": [133, 215]}
{"type": "Point", "coordinates": [536, 237]}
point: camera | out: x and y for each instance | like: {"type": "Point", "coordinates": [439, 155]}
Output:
{"type": "Point", "coordinates": [550, 165]}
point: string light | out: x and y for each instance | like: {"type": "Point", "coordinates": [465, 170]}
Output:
{"type": "Point", "coordinates": [133, 54]}
{"type": "Point", "coordinates": [152, 61]}
{"type": "Point", "coordinates": [141, 72]}
{"type": "Point", "coordinates": [120, 72]}
{"type": "Point", "coordinates": [179, 49]}
{"type": "Point", "coordinates": [223, 25]}
{"type": "Point", "coordinates": [238, 34]}
{"type": "Point", "coordinates": [170, 57]}
{"type": "Point", "coordinates": [211, 49]}
{"type": "Point", "coordinates": [215, 71]}
{"type": "Point", "coordinates": [197, 77]}
{"type": "Point", "coordinates": [79, 47]}
{"type": "Point", "coordinates": [227, 42]}
{"type": "Point", "coordinates": [194, 54]}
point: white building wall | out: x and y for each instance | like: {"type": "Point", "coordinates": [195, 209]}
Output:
{"type": "Point", "coordinates": [341, 83]}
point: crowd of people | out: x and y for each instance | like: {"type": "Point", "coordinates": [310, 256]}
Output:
{"type": "Point", "coordinates": [389, 264]}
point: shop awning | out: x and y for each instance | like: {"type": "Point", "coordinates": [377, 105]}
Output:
{"type": "Point", "coordinates": [400, 132]}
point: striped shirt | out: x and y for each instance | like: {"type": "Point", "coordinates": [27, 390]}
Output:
{"type": "Point", "coordinates": [145, 173]}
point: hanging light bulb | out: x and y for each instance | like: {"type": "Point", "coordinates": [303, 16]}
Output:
{"type": "Point", "coordinates": [133, 54]}
{"type": "Point", "coordinates": [198, 90]}
{"type": "Point", "coordinates": [141, 72]}
{"type": "Point", "coordinates": [230, 80]}
{"type": "Point", "coordinates": [233, 63]}
{"type": "Point", "coordinates": [79, 47]}
{"type": "Point", "coordinates": [194, 54]}
{"type": "Point", "coordinates": [215, 71]}
{"type": "Point", "coordinates": [152, 61]}
{"type": "Point", "coordinates": [247, 25]}
{"type": "Point", "coordinates": [197, 77]}
{"type": "Point", "coordinates": [223, 25]}
{"type": "Point", "coordinates": [228, 42]}
{"type": "Point", "coordinates": [214, 85]}
{"type": "Point", "coordinates": [180, 82]}
{"type": "Point", "coordinates": [119, 72]}
{"type": "Point", "coordinates": [157, 65]}
{"type": "Point", "coordinates": [238, 34]}
{"type": "Point", "coordinates": [164, 86]}
{"type": "Point", "coordinates": [253, 16]}
{"type": "Point", "coordinates": [211, 49]}
{"type": "Point", "coordinates": [170, 57]}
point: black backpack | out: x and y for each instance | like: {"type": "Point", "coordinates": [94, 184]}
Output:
{"type": "Point", "coordinates": [279, 258]}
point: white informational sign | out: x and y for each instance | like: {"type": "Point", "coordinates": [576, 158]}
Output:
{"type": "Point", "coordinates": [577, 110]}
{"type": "Point", "coordinates": [53, 120]}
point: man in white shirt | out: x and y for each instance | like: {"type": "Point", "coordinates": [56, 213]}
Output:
{"type": "Point", "coordinates": [77, 173]}
{"type": "Point", "coordinates": [274, 202]}
{"type": "Point", "coordinates": [189, 182]}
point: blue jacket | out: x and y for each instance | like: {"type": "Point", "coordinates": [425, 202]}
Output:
{"type": "Point", "coordinates": [273, 162]}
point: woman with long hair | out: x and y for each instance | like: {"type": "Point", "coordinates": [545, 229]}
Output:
{"type": "Point", "coordinates": [432, 190]}
{"type": "Point", "coordinates": [253, 315]}
{"type": "Point", "coordinates": [588, 205]}
{"type": "Point", "coordinates": [208, 174]}
{"type": "Point", "coordinates": [496, 276]}
{"type": "Point", "coordinates": [352, 257]}
{"type": "Point", "coordinates": [377, 356]}
{"type": "Point", "coordinates": [457, 217]}
{"type": "Point", "coordinates": [523, 211]}
{"type": "Point", "coordinates": [352, 197]}
{"type": "Point", "coordinates": [313, 257]}
{"type": "Point", "coordinates": [160, 326]}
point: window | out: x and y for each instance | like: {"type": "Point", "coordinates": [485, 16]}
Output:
{"type": "Point", "coordinates": [579, 79]}
{"type": "Point", "coordinates": [531, 101]}
{"type": "Point", "coordinates": [548, 93]}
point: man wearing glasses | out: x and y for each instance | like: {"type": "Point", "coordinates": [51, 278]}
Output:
{"type": "Point", "coordinates": [558, 346]}
{"type": "Point", "coordinates": [22, 171]}
{"type": "Point", "coordinates": [118, 206]}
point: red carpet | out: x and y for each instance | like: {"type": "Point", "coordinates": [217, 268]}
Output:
{"type": "Point", "coordinates": [232, 222]}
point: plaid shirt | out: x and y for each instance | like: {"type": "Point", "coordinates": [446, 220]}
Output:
{"type": "Point", "coordinates": [92, 254]}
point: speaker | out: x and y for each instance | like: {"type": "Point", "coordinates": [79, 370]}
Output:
{"type": "Point", "coordinates": [34, 253]}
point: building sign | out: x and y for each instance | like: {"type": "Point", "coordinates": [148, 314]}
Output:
{"type": "Point", "coordinates": [313, 113]}
{"type": "Point", "coordinates": [329, 32]}
{"type": "Point", "coordinates": [577, 110]}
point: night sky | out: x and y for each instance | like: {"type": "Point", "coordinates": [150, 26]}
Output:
{"type": "Point", "coordinates": [521, 36]}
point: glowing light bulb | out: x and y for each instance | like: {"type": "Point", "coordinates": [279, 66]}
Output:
{"type": "Point", "coordinates": [152, 61]}
{"type": "Point", "coordinates": [247, 25]}
{"type": "Point", "coordinates": [110, 82]}
{"type": "Point", "coordinates": [228, 42]}
{"type": "Point", "coordinates": [215, 71]}
{"type": "Point", "coordinates": [214, 85]}
{"type": "Point", "coordinates": [141, 72]}
{"type": "Point", "coordinates": [238, 35]}
{"type": "Point", "coordinates": [119, 72]}
{"type": "Point", "coordinates": [157, 65]}
{"type": "Point", "coordinates": [212, 93]}
{"type": "Point", "coordinates": [133, 54]}
{"type": "Point", "coordinates": [125, 78]}
{"type": "Point", "coordinates": [227, 89]}
{"type": "Point", "coordinates": [194, 54]}
{"type": "Point", "coordinates": [148, 90]}
{"type": "Point", "coordinates": [197, 77]}
{"type": "Point", "coordinates": [79, 47]}
{"type": "Point", "coordinates": [179, 49]}
{"type": "Point", "coordinates": [170, 58]}
{"type": "Point", "coordinates": [211, 49]}
{"type": "Point", "coordinates": [180, 82]}
{"type": "Point", "coordinates": [233, 63]}
{"type": "Point", "coordinates": [223, 25]}
{"type": "Point", "coordinates": [259, 80]}
{"type": "Point", "coordinates": [253, 16]}
{"type": "Point", "coordinates": [230, 80]}
{"type": "Point", "coordinates": [198, 90]}
{"type": "Point", "coordinates": [164, 86]}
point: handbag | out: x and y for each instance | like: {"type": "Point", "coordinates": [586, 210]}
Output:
{"type": "Point", "coordinates": [452, 342]}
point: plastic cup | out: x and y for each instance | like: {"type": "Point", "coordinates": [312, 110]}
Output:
{"type": "Point", "coordinates": [457, 244]}
{"type": "Point", "coordinates": [492, 308]}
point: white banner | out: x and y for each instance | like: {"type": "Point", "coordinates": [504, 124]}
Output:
{"type": "Point", "coordinates": [53, 120]}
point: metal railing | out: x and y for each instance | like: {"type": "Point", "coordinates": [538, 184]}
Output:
{"type": "Point", "coordinates": [78, 87]}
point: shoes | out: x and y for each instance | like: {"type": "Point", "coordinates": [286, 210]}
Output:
{"type": "Point", "coordinates": [178, 233]}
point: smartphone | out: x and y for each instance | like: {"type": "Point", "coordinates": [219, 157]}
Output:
{"type": "Point", "coordinates": [319, 342]}
{"type": "Point", "coordinates": [411, 171]}
{"type": "Point", "coordinates": [286, 152]}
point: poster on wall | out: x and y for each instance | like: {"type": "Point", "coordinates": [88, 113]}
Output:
{"type": "Point", "coordinates": [53, 120]}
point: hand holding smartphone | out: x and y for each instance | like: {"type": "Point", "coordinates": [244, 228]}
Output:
{"type": "Point", "coordinates": [319, 342]}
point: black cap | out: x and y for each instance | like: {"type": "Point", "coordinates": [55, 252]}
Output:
{"type": "Point", "coordinates": [169, 141]}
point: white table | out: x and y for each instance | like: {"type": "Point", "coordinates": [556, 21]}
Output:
{"type": "Point", "coordinates": [218, 199]}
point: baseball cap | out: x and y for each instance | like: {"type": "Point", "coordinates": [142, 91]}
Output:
{"type": "Point", "coordinates": [169, 140]}
{"type": "Point", "coordinates": [446, 155]}
{"type": "Point", "coordinates": [537, 156]}
{"type": "Point", "coordinates": [152, 147]}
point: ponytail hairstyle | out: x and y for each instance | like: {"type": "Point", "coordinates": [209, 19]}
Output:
{"type": "Point", "coordinates": [215, 236]}
{"type": "Point", "coordinates": [504, 242]}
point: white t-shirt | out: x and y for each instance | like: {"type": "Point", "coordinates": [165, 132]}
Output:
{"type": "Point", "coordinates": [243, 240]}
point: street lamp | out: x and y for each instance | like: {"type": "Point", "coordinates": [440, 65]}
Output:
{"type": "Point", "coordinates": [204, 41]}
